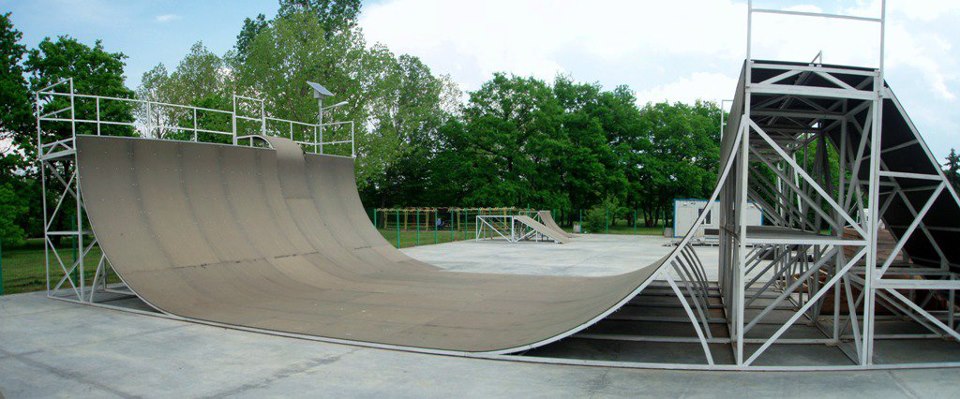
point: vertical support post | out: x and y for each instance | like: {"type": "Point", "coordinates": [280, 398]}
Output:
{"type": "Point", "coordinates": [196, 126]}
{"type": "Point", "coordinates": [150, 120]}
{"type": "Point", "coordinates": [398, 228]}
{"type": "Point", "coordinates": [871, 277]}
{"type": "Point", "coordinates": [320, 120]}
{"type": "Point", "coordinates": [951, 306]}
{"type": "Point", "coordinates": [436, 227]}
{"type": "Point", "coordinates": [76, 187]}
{"type": "Point", "coordinates": [418, 227]}
{"type": "Point", "coordinates": [742, 187]}
{"type": "Point", "coordinates": [1, 271]}
{"type": "Point", "coordinates": [97, 100]}
{"type": "Point", "coordinates": [263, 120]}
{"type": "Point", "coordinates": [353, 143]}
{"type": "Point", "coordinates": [876, 130]}
{"type": "Point", "coordinates": [43, 190]}
{"type": "Point", "coordinates": [234, 119]}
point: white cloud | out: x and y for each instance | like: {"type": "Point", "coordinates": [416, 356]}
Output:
{"type": "Point", "coordinates": [698, 86]}
{"type": "Point", "coordinates": [167, 18]}
{"type": "Point", "coordinates": [473, 40]}
{"type": "Point", "coordinates": [679, 50]}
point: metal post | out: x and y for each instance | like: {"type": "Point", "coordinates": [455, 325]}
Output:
{"type": "Point", "coordinates": [418, 227]}
{"type": "Point", "coordinates": [398, 228]}
{"type": "Point", "coordinates": [234, 119]}
{"type": "Point", "coordinates": [436, 233]}
{"type": "Point", "coordinates": [320, 119]}
{"type": "Point", "coordinates": [98, 115]}
{"type": "Point", "coordinates": [263, 119]}
{"type": "Point", "coordinates": [195, 126]}
{"type": "Point", "coordinates": [43, 191]}
{"type": "Point", "coordinates": [76, 187]}
{"type": "Point", "coordinates": [1, 270]}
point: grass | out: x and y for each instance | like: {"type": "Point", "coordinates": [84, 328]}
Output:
{"type": "Point", "coordinates": [22, 268]}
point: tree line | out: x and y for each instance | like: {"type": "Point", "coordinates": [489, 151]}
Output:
{"type": "Point", "coordinates": [515, 141]}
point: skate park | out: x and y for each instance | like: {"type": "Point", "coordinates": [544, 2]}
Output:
{"type": "Point", "coordinates": [259, 247]}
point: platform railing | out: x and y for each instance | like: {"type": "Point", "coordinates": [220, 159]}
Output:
{"type": "Point", "coordinates": [161, 120]}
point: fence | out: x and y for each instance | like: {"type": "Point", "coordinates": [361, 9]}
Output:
{"type": "Point", "coordinates": [408, 227]}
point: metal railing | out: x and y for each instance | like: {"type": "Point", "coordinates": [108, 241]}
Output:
{"type": "Point", "coordinates": [160, 120]}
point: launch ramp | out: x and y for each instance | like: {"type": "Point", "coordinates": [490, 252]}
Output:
{"type": "Point", "coordinates": [547, 218]}
{"type": "Point", "coordinates": [516, 228]}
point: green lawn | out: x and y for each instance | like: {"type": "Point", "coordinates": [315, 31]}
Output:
{"type": "Point", "coordinates": [24, 271]}
{"type": "Point", "coordinates": [23, 267]}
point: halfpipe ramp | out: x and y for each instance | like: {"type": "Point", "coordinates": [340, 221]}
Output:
{"type": "Point", "coordinates": [278, 240]}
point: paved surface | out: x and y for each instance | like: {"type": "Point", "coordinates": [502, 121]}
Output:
{"type": "Point", "coordinates": [55, 349]}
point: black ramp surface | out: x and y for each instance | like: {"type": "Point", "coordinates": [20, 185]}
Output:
{"type": "Point", "coordinates": [277, 240]}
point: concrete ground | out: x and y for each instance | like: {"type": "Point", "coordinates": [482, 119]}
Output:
{"type": "Point", "coordinates": [51, 348]}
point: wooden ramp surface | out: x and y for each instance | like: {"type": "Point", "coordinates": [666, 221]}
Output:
{"type": "Point", "coordinates": [277, 240]}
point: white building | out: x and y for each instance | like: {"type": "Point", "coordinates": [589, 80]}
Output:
{"type": "Point", "coordinates": [686, 212]}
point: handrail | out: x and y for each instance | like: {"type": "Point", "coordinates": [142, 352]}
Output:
{"type": "Point", "coordinates": [158, 113]}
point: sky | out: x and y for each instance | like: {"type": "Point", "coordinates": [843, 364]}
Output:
{"type": "Point", "coordinates": [679, 50]}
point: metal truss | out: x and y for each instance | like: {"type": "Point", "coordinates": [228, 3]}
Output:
{"type": "Point", "coordinates": [810, 149]}
{"type": "Point", "coordinates": [76, 270]}
{"type": "Point", "coordinates": [807, 143]}
{"type": "Point", "coordinates": [508, 227]}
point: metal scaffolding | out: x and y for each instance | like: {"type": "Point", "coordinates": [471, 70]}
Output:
{"type": "Point", "coordinates": [815, 146]}
{"type": "Point", "coordinates": [71, 250]}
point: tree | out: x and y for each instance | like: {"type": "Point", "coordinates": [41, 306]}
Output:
{"type": "Point", "coordinates": [591, 171]}
{"type": "Point", "coordinates": [952, 169]}
{"type": "Point", "coordinates": [14, 123]}
{"type": "Point", "coordinates": [676, 155]}
{"type": "Point", "coordinates": [200, 79]}
{"type": "Point", "coordinates": [507, 148]}
{"type": "Point", "coordinates": [251, 28]}
{"type": "Point", "coordinates": [334, 16]}
{"type": "Point", "coordinates": [15, 102]}
{"type": "Point", "coordinates": [410, 108]}
{"type": "Point", "coordinates": [94, 71]}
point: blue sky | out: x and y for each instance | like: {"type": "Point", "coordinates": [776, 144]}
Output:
{"type": "Point", "coordinates": [664, 50]}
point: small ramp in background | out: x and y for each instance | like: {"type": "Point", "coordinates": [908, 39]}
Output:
{"type": "Point", "coordinates": [546, 217]}
{"type": "Point", "coordinates": [516, 228]}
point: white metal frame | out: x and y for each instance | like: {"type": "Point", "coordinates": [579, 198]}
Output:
{"type": "Point", "coordinates": [506, 227]}
{"type": "Point", "coordinates": [68, 278]}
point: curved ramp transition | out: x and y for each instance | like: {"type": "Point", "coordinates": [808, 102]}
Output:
{"type": "Point", "coordinates": [547, 218]}
{"type": "Point", "coordinates": [277, 240]}
{"type": "Point", "coordinates": [545, 231]}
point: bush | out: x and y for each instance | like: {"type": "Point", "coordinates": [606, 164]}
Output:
{"type": "Point", "coordinates": [11, 208]}
{"type": "Point", "coordinates": [599, 217]}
